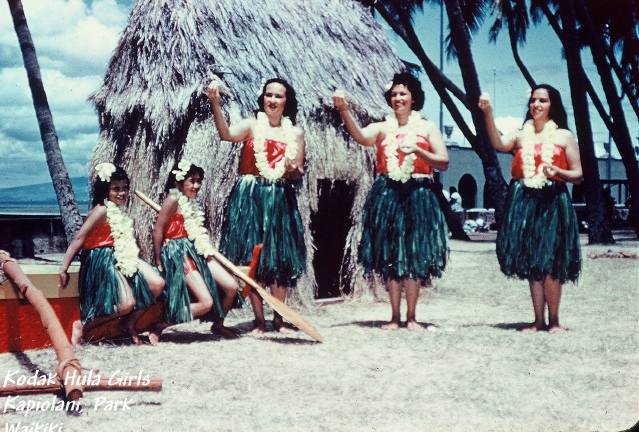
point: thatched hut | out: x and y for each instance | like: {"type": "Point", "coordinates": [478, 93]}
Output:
{"type": "Point", "coordinates": [153, 109]}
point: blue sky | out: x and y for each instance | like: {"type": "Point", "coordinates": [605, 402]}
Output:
{"type": "Point", "coordinates": [74, 40]}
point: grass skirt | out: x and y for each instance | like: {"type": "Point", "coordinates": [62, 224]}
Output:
{"type": "Point", "coordinates": [262, 211]}
{"type": "Point", "coordinates": [177, 298]}
{"type": "Point", "coordinates": [100, 284]}
{"type": "Point", "coordinates": [539, 234]}
{"type": "Point", "coordinates": [404, 232]}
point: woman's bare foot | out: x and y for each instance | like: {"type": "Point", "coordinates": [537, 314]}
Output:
{"type": "Point", "coordinates": [218, 329]}
{"type": "Point", "coordinates": [414, 325]}
{"type": "Point", "coordinates": [556, 329]}
{"type": "Point", "coordinates": [76, 333]}
{"type": "Point", "coordinates": [259, 326]}
{"type": "Point", "coordinates": [281, 327]}
{"type": "Point", "coordinates": [393, 325]}
{"type": "Point", "coordinates": [534, 327]}
{"type": "Point", "coordinates": [155, 330]}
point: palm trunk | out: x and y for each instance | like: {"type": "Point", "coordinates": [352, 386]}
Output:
{"type": "Point", "coordinates": [495, 183]}
{"type": "Point", "coordinates": [599, 227]}
{"type": "Point", "coordinates": [69, 212]}
{"type": "Point", "coordinates": [620, 132]}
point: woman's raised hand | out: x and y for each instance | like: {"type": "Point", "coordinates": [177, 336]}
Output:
{"type": "Point", "coordinates": [340, 100]}
{"type": "Point", "coordinates": [213, 91]}
{"type": "Point", "coordinates": [484, 103]}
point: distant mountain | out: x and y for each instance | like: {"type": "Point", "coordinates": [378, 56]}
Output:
{"type": "Point", "coordinates": [42, 195]}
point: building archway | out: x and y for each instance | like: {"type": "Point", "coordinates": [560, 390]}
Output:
{"type": "Point", "coordinates": [468, 191]}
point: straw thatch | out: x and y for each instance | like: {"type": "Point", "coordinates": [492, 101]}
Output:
{"type": "Point", "coordinates": [153, 110]}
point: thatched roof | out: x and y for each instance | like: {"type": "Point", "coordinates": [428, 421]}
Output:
{"type": "Point", "coordinates": [153, 109]}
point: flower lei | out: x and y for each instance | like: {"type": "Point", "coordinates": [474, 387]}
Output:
{"type": "Point", "coordinates": [194, 224]}
{"type": "Point", "coordinates": [259, 144]}
{"type": "Point", "coordinates": [534, 179]}
{"type": "Point", "coordinates": [395, 171]}
{"type": "Point", "coordinates": [126, 250]}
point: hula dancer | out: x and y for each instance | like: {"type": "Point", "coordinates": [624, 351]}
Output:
{"type": "Point", "coordinates": [183, 253]}
{"type": "Point", "coordinates": [539, 238]}
{"type": "Point", "coordinates": [404, 238]}
{"type": "Point", "coordinates": [113, 280]}
{"type": "Point", "coordinates": [262, 207]}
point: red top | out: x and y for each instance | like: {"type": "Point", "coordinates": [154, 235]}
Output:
{"type": "Point", "coordinates": [558, 160]}
{"type": "Point", "coordinates": [100, 236]}
{"type": "Point", "coordinates": [175, 228]}
{"type": "Point", "coordinates": [420, 165]}
{"type": "Point", "coordinates": [274, 153]}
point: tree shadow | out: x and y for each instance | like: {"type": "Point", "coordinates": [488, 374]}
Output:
{"type": "Point", "coordinates": [379, 324]}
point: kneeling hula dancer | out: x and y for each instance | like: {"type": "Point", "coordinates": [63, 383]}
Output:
{"type": "Point", "coordinates": [113, 280]}
{"type": "Point", "coordinates": [183, 253]}
{"type": "Point", "coordinates": [405, 237]}
{"type": "Point", "coordinates": [539, 238]}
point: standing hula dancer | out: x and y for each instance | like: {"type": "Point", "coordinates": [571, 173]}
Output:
{"type": "Point", "coordinates": [183, 252]}
{"type": "Point", "coordinates": [405, 237]}
{"type": "Point", "coordinates": [262, 207]}
{"type": "Point", "coordinates": [113, 280]}
{"type": "Point", "coordinates": [539, 238]}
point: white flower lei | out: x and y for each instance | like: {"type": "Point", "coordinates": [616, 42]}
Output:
{"type": "Point", "coordinates": [395, 171]}
{"type": "Point", "coordinates": [126, 250]}
{"type": "Point", "coordinates": [259, 144]}
{"type": "Point", "coordinates": [194, 224]}
{"type": "Point", "coordinates": [534, 179]}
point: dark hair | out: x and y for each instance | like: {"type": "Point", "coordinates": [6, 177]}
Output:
{"type": "Point", "coordinates": [290, 108]}
{"type": "Point", "coordinates": [102, 188]}
{"type": "Point", "coordinates": [193, 169]}
{"type": "Point", "coordinates": [557, 111]}
{"type": "Point", "coordinates": [414, 87]}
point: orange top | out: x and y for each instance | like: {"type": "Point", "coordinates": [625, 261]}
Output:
{"type": "Point", "coordinates": [558, 160]}
{"type": "Point", "coordinates": [420, 165]}
{"type": "Point", "coordinates": [100, 236]}
{"type": "Point", "coordinates": [274, 153]}
{"type": "Point", "coordinates": [175, 228]}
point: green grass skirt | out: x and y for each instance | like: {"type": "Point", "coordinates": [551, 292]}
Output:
{"type": "Point", "coordinates": [262, 211]}
{"type": "Point", "coordinates": [100, 283]}
{"type": "Point", "coordinates": [404, 231]}
{"type": "Point", "coordinates": [539, 234]}
{"type": "Point", "coordinates": [177, 297]}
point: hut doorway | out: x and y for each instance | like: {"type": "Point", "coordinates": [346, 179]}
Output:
{"type": "Point", "coordinates": [468, 191]}
{"type": "Point", "coordinates": [330, 226]}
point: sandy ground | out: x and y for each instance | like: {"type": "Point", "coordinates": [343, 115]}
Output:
{"type": "Point", "coordinates": [472, 370]}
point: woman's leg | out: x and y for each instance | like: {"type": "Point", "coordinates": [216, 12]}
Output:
{"type": "Point", "coordinates": [279, 293]}
{"type": "Point", "coordinates": [258, 311]}
{"type": "Point", "coordinates": [411, 288]}
{"type": "Point", "coordinates": [155, 281]}
{"type": "Point", "coordinates": [201, 292]}
{"type": "Point", "coordinates": [552, 292]}
{"type": "Point", "coordinates": [156, 284]}
{"type": "Point", "coordinates": [229, 286]}
{"type": "Point", "coordinates": [539, 303]}
{"type": "Point", "coordinates": [395, 294]}
{"type": "Point", "coordinates": [127, 303]}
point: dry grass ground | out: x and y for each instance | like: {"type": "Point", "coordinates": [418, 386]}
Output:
{"type": "Point", "coordinates": [473, 370]}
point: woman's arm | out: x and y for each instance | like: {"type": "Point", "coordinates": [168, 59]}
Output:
{"type": "Point", "coordinates": [369, 136]}
{"type": "Point", "coordinates": [573, 173]}
{"type": "Point", "coordinates": [296, 166]}
{"type": "Point", "coordinates": [169, 206]}
{"type": "Point", "coordinates": [96, 216]}
{"type": "Point", "coordinates": [500, 142]}
{"type": "Point", "coordinates": [437, 157]}
{"type": "Point", "coordinates": [235, 133]}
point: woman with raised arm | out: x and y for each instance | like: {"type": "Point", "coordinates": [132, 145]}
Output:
{"type": "Point", "coordinates": [113, 281]}
{"type": "Point", "coordinates": [404, 238]}
{"type": "Point", "coordinates": [262, 207]}
{"type": "Point", "coordinates": [539, 239]}
{"type": "Point", "coordinates": [183, 252]}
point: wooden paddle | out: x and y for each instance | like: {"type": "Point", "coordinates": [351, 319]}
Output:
{"type": "Point", "coordinates": [277, 305]}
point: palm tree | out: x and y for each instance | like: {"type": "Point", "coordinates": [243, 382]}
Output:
{"type": "Point", "coordinates": [69, 212]}
{"type": "Point", "coordinates": [399, 16]}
